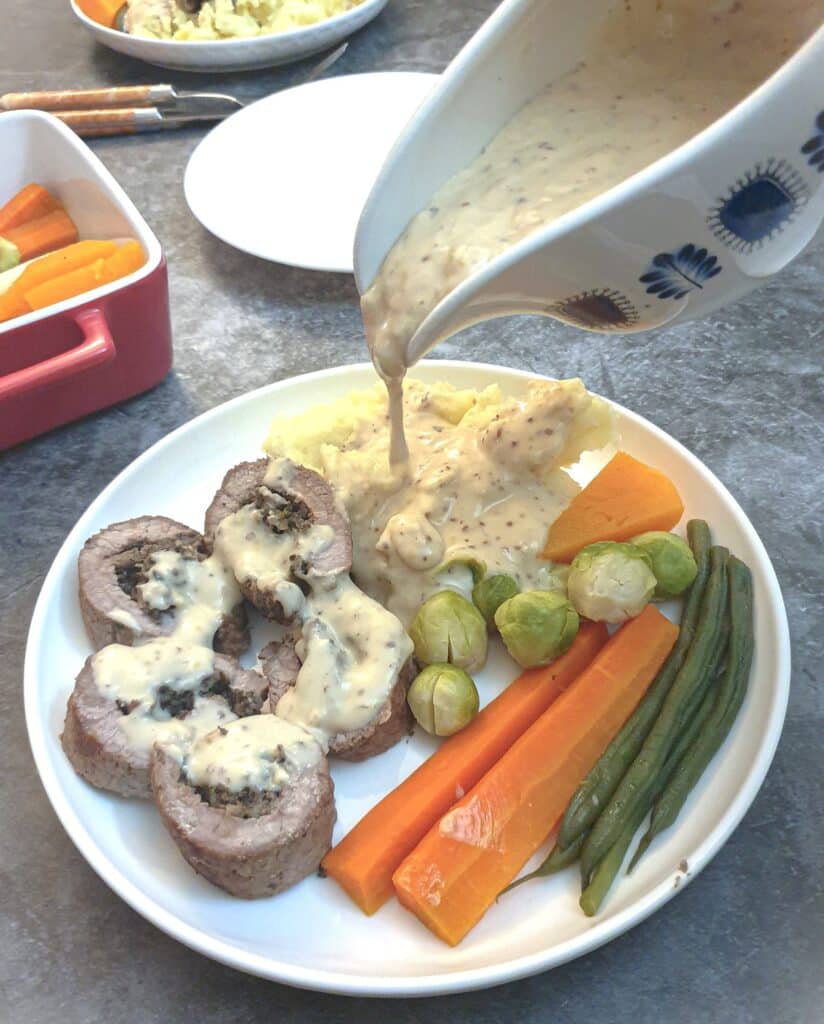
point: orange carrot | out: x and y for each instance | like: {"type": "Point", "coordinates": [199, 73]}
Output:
{"type": "Point", "coordinates": [104, 12]}
{"type": "Point", "coordinates": [127, 258]}
{"type": "Point", "coordinates": [63, 261]}
{"type": "Point", "coordinates": [363, 862]}
{"type": "Point", "coordinates": [49, 232]}
{"type": "Point", "coordinates": [31, 202]}
{"type": "Point", "coordinates": [626, 498]}
{"type": "Point", "coordinates": [12, 305]}
{"type": "Point", "coordinates": [456, 872]}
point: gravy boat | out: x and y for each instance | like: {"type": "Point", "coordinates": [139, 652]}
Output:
{"type": "Point", "coordinates": [695, 230]}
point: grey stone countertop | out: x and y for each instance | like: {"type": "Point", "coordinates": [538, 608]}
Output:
{"type": "Point", "coordinates": [743, 390]}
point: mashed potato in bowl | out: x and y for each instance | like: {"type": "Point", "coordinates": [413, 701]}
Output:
{"type": "Point", "coordinates": [227, 19]}
{"type": "Point", "coordinates": [486, 476]}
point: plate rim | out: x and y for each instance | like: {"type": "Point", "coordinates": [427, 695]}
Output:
{"type": "Point", "coordinates": [444, 983]}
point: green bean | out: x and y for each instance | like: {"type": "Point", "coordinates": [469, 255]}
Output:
{"type": "Point", "coordinates": [556, 860]}
{"type": "Point", "coordinates": [597, 788]}
{"type": "Point", "coordinates": [593, 893]}
{"type": "Point", "coordinates": [731, 693]}
{"type": "Point", "coordinates": [676, 710]}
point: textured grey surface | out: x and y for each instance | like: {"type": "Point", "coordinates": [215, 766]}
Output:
{"type": "Point", "coordinates": [742, 390]}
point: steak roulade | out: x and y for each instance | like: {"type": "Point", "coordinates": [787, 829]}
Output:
{"type": "Point", "coordinates": [250, 806]}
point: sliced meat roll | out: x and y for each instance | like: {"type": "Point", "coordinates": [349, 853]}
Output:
{"type": "Point", "coordinates": [277, 526]}
{"type": "Point", "coordinates": [347, 674]}
{"type": "Point", "coordinates": [127, 698]}
{"type": "Point", "coordinates": [251, 806]}
{"type": "Point", "coordinates": [142, 578]}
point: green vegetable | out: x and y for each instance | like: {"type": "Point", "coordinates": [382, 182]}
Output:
{"type": "Point", "coordinates": [448, 628]}
{"type": "Point", "coordinates": [491, 592]}
{"type": "Point", "coordinates": [536, 626]}
{"type": "Point", "coordinates": [611, 582]}
{"type": "Point", "coordinates": [678, 707]}
{"type": "Point", "coordinates": [9, 254]}
{"type": "Point", "coordinates": [672, 561]}
{"type": "Point", "coordinates": [597, 788]}
{"type": "Point", "coordinates": [443, 699]}
{"type": "Point", "coordinates": [723, 712]}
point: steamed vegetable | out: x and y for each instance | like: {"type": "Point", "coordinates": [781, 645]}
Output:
{"type": "Point", "coordinates": [365, 859]}
{"type": "Point", "coordinates": [672, 561]}
{"type": "Point", "coordinates": [443, 699]}
{"type": "Point", "coordinates": [9, 255]}
{"type": "Point", "coordinates": [536, 626]}
{"type": "Point", "coordinates": [681, 702]}
{"type": "Point", "coordinates": [31, 202]}
{"type": "Point", "coordinates": [104, 12]}
{"type": "Point", "coordinates": [490, 593]}
{"type": "Point", "coordinates": [610, 582]}
{"type": "Point", "coordinates": [35, 237]}
{"type": "Point", "coordinates": [448, 628]}
{"type": "Point", "coordinates": [456, 872]}
{"type": "Point", "coordinates": [595, 791]}
{"type": "Point", "coordinates": [626, 498]}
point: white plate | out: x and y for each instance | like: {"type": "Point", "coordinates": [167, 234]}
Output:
{"type": "Point", "coordinates": [236, 54]}
{"type": "Point", "coordinates": [312, 936]}
{"type": "Point", "coordinates": [286, 178]}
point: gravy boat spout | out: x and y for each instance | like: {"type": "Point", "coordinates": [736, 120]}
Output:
{"type": "Point", "coordinates": [697, 228]}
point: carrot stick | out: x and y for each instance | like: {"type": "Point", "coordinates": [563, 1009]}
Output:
{"type": "Point", "coordinates": [455, 873]}
{"type": "Point", "coordinates": [63, 261]}
{"type": "Point", "coordinates": [363, 862]}
{"type": "Point", "coordinates": [31, 202]}
{"type": "Point", "coordinates": [35, 237]}
{"type": "Point", "coordinates": [104, 12]}
{"type": "Point", "coordinates": [626, 498]}
{"type": "Point", "coordinates": [123, 261]}
{"type": "Point", "coordinates": [12, 305]}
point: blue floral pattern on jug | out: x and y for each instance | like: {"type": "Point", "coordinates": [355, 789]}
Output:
{"type": "Point", "coordinates": [758, 206]}
{"type": "Point", "coordinates": [813, 148]}
{"type": "Point", "coordinates": [672, 275]}
{"type": "Point", "coordinates": [600, 309]}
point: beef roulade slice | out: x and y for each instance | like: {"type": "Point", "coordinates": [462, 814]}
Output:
{"type": "Point", "coordinates": [127, 698]}
{"type": "Point", "coordinates": [251, 805]}
{"type": "Point", "coordinates": [141, 578]}
{"type": "Point", "coordinates": [278, 527]}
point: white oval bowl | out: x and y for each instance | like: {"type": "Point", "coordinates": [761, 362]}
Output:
{"type": "Point", "coordinates": [236, 54]}
{"type": "Point", "coordinates": [312, 936]}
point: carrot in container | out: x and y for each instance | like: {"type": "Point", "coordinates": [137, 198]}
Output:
{"type": "Point", "coordinates": [35, 237]}
{"type": "Point", "coordinates": [477, 848]}
{"type": "Point", "coordinates": [31, 202]}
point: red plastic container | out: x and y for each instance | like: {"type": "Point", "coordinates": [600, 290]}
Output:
{"type": "Point", "coordinates": [86, 353]}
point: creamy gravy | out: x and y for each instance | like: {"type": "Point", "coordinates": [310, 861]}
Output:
{"type": "Point", "coordinates": [484, 488]}
{"type": "Point", "coordinates": [660, 71]}
{"type": "Point", "coordinates": [198, 593]}
{"type": "Point", "coordinates": [133, 676]}
{"type": "Point", "coordinates": [352, 651]}
{"type": "Point", "coordinates": [258, 752]}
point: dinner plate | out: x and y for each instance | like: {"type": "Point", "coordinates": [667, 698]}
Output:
{"type": "Point", "coordinates": [312, 935]}
{"type": "Point", "coordinates": [313, 152]}
{"type": "Point", "coordinates": [235, 54]}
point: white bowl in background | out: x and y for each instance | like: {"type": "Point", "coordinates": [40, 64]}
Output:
{"type": "Point", "coordinates": [652, 250]}
{"type": "Point", "coordinates": [236, 54]}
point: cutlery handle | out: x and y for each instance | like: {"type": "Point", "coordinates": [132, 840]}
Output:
{"type": "Point", "coordinates": [126, 121]}
{"type": "Point", "coordinates": [88, 99]}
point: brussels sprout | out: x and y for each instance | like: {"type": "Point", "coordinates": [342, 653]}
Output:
{"type": "Point", "coordinates": [536, 626]}
{"type": "Point", "coordinates": [672, 561]}
{"type": "Point", "coordinates": [611, 582]}
{"type": "Point", "coordinates": [491, 592]}
{"type": "Point", "coordinates": [448, 628]}
{"type": "Point", "coordinates": [443, 699]}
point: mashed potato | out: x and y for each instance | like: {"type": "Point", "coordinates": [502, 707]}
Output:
{"type": "Point", "coordinates": [227, 19]}
{"type": "Point", "coordinates": [486, 477]}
